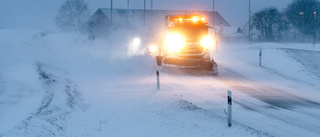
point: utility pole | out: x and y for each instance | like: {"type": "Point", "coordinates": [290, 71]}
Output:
{"type": "Point", "coordinates": [144, 16]}
{"type": "Point", "coordinates": [128, 4]}
{"type": "Point", "coordinates": [111, 11]}
{"type": "Point", "coordinates": [213, 2]}
{"type": "Point", "coordinates": [314, 28]}
{"type": "Point", "coordinates": [250, 21]}
{"type": "Point", "coordinates": [303, 31]}
{"type": "Point", "coordinates": [151, 4]}
{"type": "Point", "coordinates": [151, 14]}
{"type": "Point", "coordinates": [127, 15]}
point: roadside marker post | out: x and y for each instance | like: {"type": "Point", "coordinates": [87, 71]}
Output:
{"type": "Point", "coordinates": [158, 81]}
{"type": "Point", "coordinates": [260, 56]}
{"type": "Point", "coordinates": [229, 109]}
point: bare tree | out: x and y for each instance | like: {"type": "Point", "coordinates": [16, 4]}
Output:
{"type": "Point", "coordinates": [269, 22]}
{"type": "Point", "coordinates": [302, 14]}
{"type": "Point", "coordinates": [72, 15]}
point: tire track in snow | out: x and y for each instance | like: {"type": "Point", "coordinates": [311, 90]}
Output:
{"type": "Point", "coordinates": [277, 101]}
{"type": "Point", "coordinates": [276, 98]}
{"type": "Point", "coordinates": [60, 101]}
{"type": "Point", "coordinates": [176, 111]}
{"type": "Point", "coordinates": [278, 104]}
{"type": "Point", "coordinates": [182, 108]}
{"type": "Point", "coordinates": [309, 59]}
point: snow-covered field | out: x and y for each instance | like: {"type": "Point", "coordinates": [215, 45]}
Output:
{"type": "Point", "coordinates": [55, 84]}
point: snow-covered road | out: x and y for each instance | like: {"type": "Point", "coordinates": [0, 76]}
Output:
{"type": "Point", "coordinates": [60, 85]}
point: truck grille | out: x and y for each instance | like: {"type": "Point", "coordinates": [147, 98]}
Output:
{"type": "Point", "coordinates": [192, 49]}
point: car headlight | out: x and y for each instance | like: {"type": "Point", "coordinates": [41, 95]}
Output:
{"type": "Point", "coordinates": [175, 42]}
{"type": "Point", "coordinates": [136, 42]}
{"type": "Point", "coordinates": [206, 42]}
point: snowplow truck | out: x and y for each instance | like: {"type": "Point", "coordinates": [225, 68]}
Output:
{"type": "Point", "coordinates": [189, 41]}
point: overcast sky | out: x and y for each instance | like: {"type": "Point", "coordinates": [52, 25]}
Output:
{"type": "Point", "coordinates": [40, 14]}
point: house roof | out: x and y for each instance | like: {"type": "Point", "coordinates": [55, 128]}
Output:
{"type": "Point", "coordinates": [148, 20]}
{"type": "Point", "coordinates": [159, 15]}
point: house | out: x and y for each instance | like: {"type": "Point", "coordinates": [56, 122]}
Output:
{"type": "Point", "coordinates": [105, 19]}
{"type": "Point", "coordinates": [254, 30]}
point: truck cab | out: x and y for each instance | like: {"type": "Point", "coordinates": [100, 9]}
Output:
{"type": "Point", "coordinates": [189, 41]}
{"type": "Point", "coordinates": [189, 36]}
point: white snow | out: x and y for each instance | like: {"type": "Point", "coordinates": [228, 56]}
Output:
{"type": "Point", "coordinates": [56, 84]}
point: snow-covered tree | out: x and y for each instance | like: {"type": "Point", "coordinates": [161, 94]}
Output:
{"type": "Point", "coordinates": [72, 15]}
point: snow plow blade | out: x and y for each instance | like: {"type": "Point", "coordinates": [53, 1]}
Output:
{"type": "Point", "coordinates": [209, 65]}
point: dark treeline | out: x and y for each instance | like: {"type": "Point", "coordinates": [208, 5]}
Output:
{"type": "Point", "coordinates": [297, 22]}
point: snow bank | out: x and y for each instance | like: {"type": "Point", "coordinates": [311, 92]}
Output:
{"type": "Point", "coordinates": [21, 90]}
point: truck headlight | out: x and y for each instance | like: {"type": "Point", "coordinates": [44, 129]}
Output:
{"type": "Point", "coordinates": [153, 48]}
{"type": "Point", "coordinates": [206, 42]}
{"type": "Point", "coordinates": [175, 42]}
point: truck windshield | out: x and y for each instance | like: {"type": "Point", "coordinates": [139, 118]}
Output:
{"type": "Point", "coordinates": [192, 30]}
